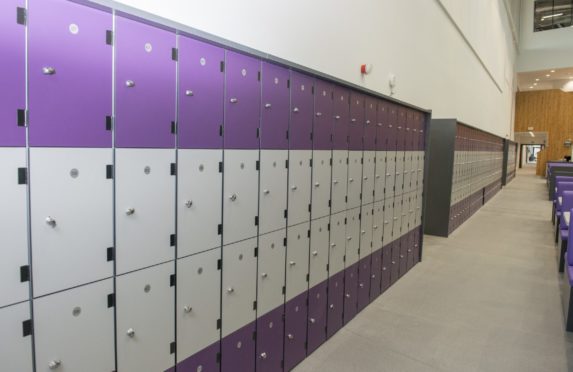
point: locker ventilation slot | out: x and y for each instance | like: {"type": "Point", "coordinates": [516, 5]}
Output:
{"type": "Point", "coordinates": [21, 117]}
{"type": "Point", "coordinates": [172, 280]}
{"type": "Point", "coordinates": [110, 254]}
{"type": "Point", "coordinates": [109, 37]}
{"type": "Point", "coordinates": [109, 171]}
{"type": "Point", "coordinates": [172, 347]}
{"type": "Point", "coordinates": [108, 123]}
{"type": "Point", "coordinates": [24, 274]}
{"type": "Point", "coordinates": [21, 16]}
{"type": "Point", "coordinates": [27, 328]}
{"type": "Point", "coordinates": [111, 300]}
{"type": "Point", "coordinates": [22, 176]}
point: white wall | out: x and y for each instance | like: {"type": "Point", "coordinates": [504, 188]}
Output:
{"type": "Point", "coordinates": [455, 57]}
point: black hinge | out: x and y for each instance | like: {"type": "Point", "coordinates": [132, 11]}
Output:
{"type": "Point", "coordinates": [22, 176]}
{"type": "Point", "coordinates": [258, 75]}
{"type": "Point", "coordinates": [311, 136]}
{"type": "Point", "coordinates": [27, 328]}
{"type": "Point", "coordinates": [305, 345]}
{"type": "Point", "coordinates": [172, 280]}
{"type": "Point", "coordinates": [286, 164]}
{"type": "Point", "coordinates": [256, 220]}
{"type": "Point", "coordinates": [309, 208]}
{"type": "Point", "coordinates": [307, 279]}
{"type": "Point", "coordinates": [21, 117]}
{"type": "Point", "coordinates": [254, 305]}
{"type": "Point", "coordinates": [172, 239]}
{"type": "Point", "coordinates": [361, 160]}
{"type": "Point", "coordinates": [255, 335]}
{"type": "Point", "coordinates": [219, 323]}
{"type": "Point", "coordinates": [173, 169]}
{"type": "Point", "coordinates": [256, 252]}
{"type": "Point", "coordinates": [284, 289]}
{"type": "Point", "coordinates": [327, 268]}
{"type": "Point", "coordinates": [108, 123]}
{"type": "Point", "coordinates": [20, 16]}
{"type": "Point", "coordinates": [346, 199]}
{"type": "Point", "coordinates": [258, 133]}
{"type": "Point", "coordinates": [282, 364]}
{"type": "Point", "coordinates": [220, 167]}
{"type": "Point", "coordinates": [219, 264]}
{"type": "Point", "coordinates": [310, 162]}
{"type": "Point", "coordinates": [24, 273]}
{"type": "Point", "coordinates": [219, 357]}
{"type": "Point", "coordinates": [347, 160]}
{"type": "Point", "coordinates": [109, 37]}
{"type": "Point", "coordinates": [109, 171]}
{"type": "Point", "coordinates": [220, 229]}
{"type": "Point", "coordinates": [331, 158]}
{"type": "Point", "coordinates": [220, 130]}
{"type": "Point", "coordinates": [285, 242]}
{"type": "Point", "coordinates": [173, 127]}
{"type": "Point", "coordinates": [329, 226]}
{"type": "Point", "coordinates": [175, 54]}
{"type": "Point", "coordinates": [288, 83]}
{"type": "Point", "coordinates": [222, 66]}
{"type": "Point", "coordinates": [111, 300]}
{"type": "Point", "coordinates": [172, 347]}
{"type": "Point", "coordinates": [308, 233]}
{"type": "Point", "coordinates": [286, 213]}
{"type": "Point", "coordinates": [258, 165]}
{"type": "Point", "coordinates": [110, 254]}
{"type": "Point", "coordinates": [345, 220]}
{"type": "Point", "coordinates": [360, 196]}
{"type": "Point", "coordinates": [329, 203]}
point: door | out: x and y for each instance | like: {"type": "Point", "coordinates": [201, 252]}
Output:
{"type": "Point", "coordinates": [145, 314]}
{"type": "Point", "coordinates": [397, 218]}
{"type": "Point", "coordinates": [72, 210]}
{"type": "Point", "coordinates": [145, 71]}
{"type": "Point", "coordinates": [386, 267]}
{"type": "Point", "coordinates": [375, 274]}
{"type": "Point", "coordinates": [275, 107]}
{"type": "Point", "coordinates": [321, 174]}
{"type": "Point", "coordinates": [377, 225]}
{"type": "Point", "coordinates": [16, 338]}
{"type": "Point", "coordinates": [366, 217]}
{"type": "Point", "coordinates": [390, 184]}
{"type": "Point", "coordinates": [319, 238]}
{"type": "Point", "coordinates": [388, 221]}
{"type": "Point", "coordinates": [302, 112]}
{"type": "Point", "coordinates": [300, 172]}
{"type": "Point", "coordinates": [270, 340]}
{"type": "Point", "coordinates": [273, 190]}
{"type": "Point", "coordinates": [335, 303]}
{"type": "Point", "coordinates": [356, 122]}
{"type": "Point", "coordinates": [341, 114]}
{"type": "Point", "coordinates": [201, 94]}
{"type": "Point", "coordinates": [145, 226]}
{"type": "Point", "coordinates": [352, 236]}
{"type": "Point", "coordinates": [69, 98]}
{"type": "Point", "coordinates": [370, 123]}
{"type": "Point", "coordinates": [337, 243]}
{"type": "Point", "coordinates": [323, 116]}
{"type": "Point", "coordinates": [298, 245]}
{"type": "Point", "coordinates": [241, 194]}
{"type": "Point", "coordinates": [199, 187]}
{"type": "Point", "coordinates": [354, 178]}
{"type": "Point", "coordinates": [364, 272]}
{"type": "Point", "coordinates": [399, 174]}
{"type": "Point", "coordinates": [407, 171]}
{"type": "Point", "coordinates": [350, 292]}
{"type": "Point", "coordinates": [339, 180]}
{"type": "Point", "coordinates": [380, 176]}
{"type": "Point", "coordinates": [368, 177]}
{"type": "Point", "coordinates": [13, 226]}
{"type": "Point", "coordinates": [317, 311]}
{"type": "Point", "coordinates": [61, 319]}
{"type": "Point", "coordinates": [296, 312]}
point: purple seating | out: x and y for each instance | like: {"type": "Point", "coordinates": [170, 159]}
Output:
{"type": "Point", "coordinates": [567, 283]}
{"type": "Point", "coordinates": [560, 188]}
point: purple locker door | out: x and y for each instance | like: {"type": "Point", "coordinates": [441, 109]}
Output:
{"type": "Point", "coordinates": [201, 94]}
{"type": "Point", "coordinates": [392, 126]}
{"type": "Point", "coordinates": [270, 333]}
{"type": "Point", "coordinates": [302, 112]}
{"type": "Point", "coordinates": [418, 244]}
{"type": "Point", "coordinates": [341, 113]}
{"type": "Point", "coordinates": [242, 106]}
{"type": "Point", "coordinates": [410, 251]}
{"type": "Point", "coordinates": [401, 129]}
{"type": "Point", "coordinates": [382, 130]}
{"type": "Point", "coordinates": [404, 245]}
{"type": "Point", "coordinates": [375, 274]}
{"type": "Point", "coordinates": [364, 271]}
{"type": "Point", "coordinates": [422, 131]}
{"type": "Point", "coordinates": [322, 130]}
{"type": "Point", "coordinates": [275, 107]}
{"type": "Point", "coordinates": [70, 75]}
{"type": "Point", "coordinates": [350, 292]}
{"type": "Point", "coordinates": [335, 303]}
{"type": "Point", "coordinates": [409, 130]}
{"type": "Point", "coordinates": [205, 360]}
{"type": "Point", "coordinates": [395, 262]}
{"type": "Point", "coordinates": [296, 312]}
{"type": "Point", "coordinates": [238, 350]}
{"type": "Point", "coordinates": [317, 305]}
{"type": "Point", "coordinates": [371, 119]}
{"type": "Point", "coordinates": [356, 122]}
{"type": "Point", "coordinates": [145, 85]}
{"type": "Point", "coordinates": [13, 87]}
{"type": "Point", "coordinates": [386, 267]}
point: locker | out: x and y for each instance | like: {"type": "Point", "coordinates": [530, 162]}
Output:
{"type": "Point", "coordinates": [364, 272]}
{"type": "Point", "coordinates": [368, 177]}
{"type": "Point", "coordinates": [239, 285]}
{"type": "Point", "coordinates": [418, 245]}
{"type": "Point", "coordinates": [144, 225]}
{"type": "Point", "coordinates": [352, 236]}
{"type": "Point", "coordinates": [377, 225]}
{"type": "Point", "coordinates": [354, 178]}
{"type": "Point", "coordinates": [271, 271]}
{"type": "Point", "coordinates": [395, 261]}
{"type": "Point", "coordinates": [412, 212]}
{"type": "Point", "coordinates": [69, 98]}
{"type": "Point", "coordinates": [321, 174]}
{"type": "Point", "coordinates": [407, 171]}
{"type": "Point", "coordinates": [388, 221]}
{"type": "Point", "coordinates": [386, 267]}
{"type": "Point", "coordinates": [375, 274]}
{"type": "Point", "coordinates": [390, 183]}
{"type": "Point", "coordinates": [317, 305]}
{"type": "Point", "coordinates": [13, 226]}
{"type": "Point", "coordinates": [399, 178]}
{"type": "Point", "coordinates": [198, 309]}
{"type": "Point", "coordinates": [392, 126]}
{"type": "Point", "coordinates": [273, 190]}
{"type": "Point", "coordinates": [144, 72]}
{"type": "Point", "coordinates": [366, 228]}
{"type": "Point", "coordinates": [341, 113]}
{"type": "Point", "coordinates": [382, 126]}
{"type": "Point", "coordinates": [323, 117]}
{"type": "Point", "coordinates": [61, 319]}
{"type": "Point", "coordinates": [404, 246]}
{"type": "Point", "coordinates": [16, 350]}
{"type": "Point", "coordinates": [205, 360]}
{"type": "Point", "coordinates": [380, 176]}
{"type": "Point", "coordinates": [300, 173]}
{"type": "Point", "coordinates": [337, 243]}
{"type": "Point", "coordinates": [298, 245]}
{"type": "Point", "coordinates": [339, 177]}
{"type": "Point", "coordinates": [397, 218]}
{"type": "Point", "coordinates": [199, 187]}
{"type": "Point", "coordinates": [401, 128]}
{"type": "Point", "coordinates": [302, 112]}
{"type": "Point", "coordinates": [410, 250]}
{"type": "Point", "coordinates": [270, 337]}
{"type": "Point", "coordinates": [13, 87]}
{"type": "Point", "coordinates": [350, 292]}
{"type": "Point", "coordinates": [370, 123]}
{"type": "Point", "coordinates": [275, 107]}
{"type": "Point", "coordinates": [242, 106]}
{"type": "Point", "coordinates": [71, 191]}
{"type": "Point", "coordinates": [296, 312]}
{"type": "Point", "coordinates": [240, 196]}
{"type": "Point", "coordinates": [145, 319]}
{"type": "Point", "coordinates": [406, 200]}
{"type": "Point", "coordinates": [356, 123]}
{"type": "Point", "coordinates": [201, 94]}
{"type": "Point", "coordinates": [238, 350]}
{"type": "Point", "coordinates": [319, 236]}
{"type": "Point", "coordinates": [335, 303]}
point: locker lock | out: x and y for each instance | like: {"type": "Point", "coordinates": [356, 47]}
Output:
{"type": "Point", "coordinates": [319, 114]}
{"type": "Point", "coordinates": [347, 295]}
{"type": "Point", "coordinates": [130, 83]}
{"type": "Point", "coordinates": [230, 290]}
{"type": "Point", "coordinates": [130, 332]}
{"type": "Point", "coordinates": [263, 355]}
{"type": "Point", "coordinates": [312, 320]}
{"type": "Point", "coordinates": [361, 285]}
{"type": "Point", "coordinates": [268, 105]}
{"type": "Point", "coordinates": [367, 122]}
{"type": "Point", "coordinates": [293, 187]}
{"type": "Point", "coordinates": [189, 93]}
{"type": "Point", "coordinates": [401, 256]}
{"type": "Point", "coordinates": [353, 120]}
{"type": "Point", "coordinates": [365, 178]}
{"type": "Point", "coordinates": [295, 109]}
{"type": "Point", "coordinates": [351, 179]}
{"type": "Point", "coordinates": [373, 276]}
{"type": "Point", "coordinates": [290, 336]}
{"type": "Point", "coordinates": [337, 117]}
{"type": "Point", "coordinates": [189, 203]}
{"type": "Point", "coordinates": [377, 176]}
{"type": "Point", "coordinates": [51, 221]}
{"type": "Point", "coordinates": [233, 100]}
{"type": "Point", "coordinates": [292, 263]}
{"type": "Point", "coordinates": [331, 306]}
{"type": "Point", "coordinates": [314, 253]}
{"type": "Point", "coordinates": [233, 197]}
{"type": "Point", "coordinates": [375, 227]}
{"type": "Point", "coordinates": [349, 238]}
{"type": "Point", "coordinates": [187, 309]}
{"type": "Point", "coordinates": [409, 250]}
{"type": "Point", "coordinates": [386, 222]}
{"type": "Point", "coordinates": [48, 70]}
{"type": "Point", "coordinates": [388, 174]}
{"type": "Point", "coordinates": [53, 364]}
{"type": "Point", "coordinates": [335, 182]}
{"type": "Point", "coordinates": [333, 245]}
{"type": "Point", "coordinates": [264, 275]}
{"type": "Point", "coordinates": [363, 232]}
{"type": "Point", "coordinates": [266, 191]}
{"type": "Point", "coordinates": [395, 218]}
{"type": "Point", "coordinates": [130, 211]}
{"type": "Point", "coordinates": [316, 184]}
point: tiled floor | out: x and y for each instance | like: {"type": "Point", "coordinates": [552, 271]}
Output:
{"type": "Point", "coordinates": [485, 299]}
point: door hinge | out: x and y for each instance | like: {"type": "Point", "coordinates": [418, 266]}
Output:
{"type": "Point", "coordinates": [111, 300]}
{"type": "Point", "coordinates": [258, 165]}
{"type": "Point", "coordinates": [27, 328]}
{"type": "Point", "coordinates": [172, 280]}
{"type": "Point", "coordinates": [308, 233]}
{"type": "Point", "coordinates": [220, 167]}
{"type": "Point", "coordinates": [108, 122]}
{"type": "Point", "coordinates": [220, 229]}
{"type": "Point", "coordinates": [286, 164]}
{"type": "Point", "coordinates": [220, 130]}
{"type": "Point", "coordinates": [110, 254]}
{"type": "Point", "coordinates": [22, 176]}
{"type": "Point", "coordinates": [310, 162]}
{"type": "Point", "coordinates": [256, 252]}
{"type": "Point", "coordinates": [21, 16]}
{"type": "Point", "coordinates": [172, 347]}
{"type": "Point", "coordinates": [109, 37]}
{"type": "Point", "coordinates": [285, 242]}
{"type": "Point", "coordinates": [222, 66]}
{"type": "Point", "coordinates": [286, 213]}
{"type": "Point", "coordinates": [256, 220]}
{"type": "Point", "coordinates": [22, 117]}
{"type": "Point", "coordinates": [173, 127]}
{"type": "Point", "coordinates": [254, 305]}
{"type": "Point", "coordinates": [172, 239]}
{"type": "Point", "coordinates": [219, 323]}
{"type": "Point", "coordinates": [219, 264]}
{"type": "Point", "coordinates": [109, 171]}
{"type": "Point", "coordinates": [24, 273]}
{"type": "Point", "coordinates": [173, 169]}
{"type": "Point", "coordinates": [175, 54]}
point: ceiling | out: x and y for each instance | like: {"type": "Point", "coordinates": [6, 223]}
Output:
{"type": "Point", "coordinates": [550, 14]}
{"type": "Point", "coordinates": [561, 78]}
{"type": "Point", "coordinates": [538, 138]}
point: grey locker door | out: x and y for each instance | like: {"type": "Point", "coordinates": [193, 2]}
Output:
{"type": "Point", "coordinates": [337, 243]}
{"type": "Point", "coordinates": [16, 350]}
{"type": "Point", "coordinates": [368, 177]}
{"type": "Point", "coordinates": [299, 186]}
{"type": "Point", "coordinates": [198, 302]}
{"type": "Point", "coordinates": [366, 230]}
{"type": "Point", "coordinates": [388, 221]}
{"type": "Point", "coordinates": [271, 271]}
{"type": "Point", "coordinates": [144, 225]}
{"type": "Point", "coordinates": [390, 174]}
{"type": "Point", "coordinates": [406, 199]}
{"type": "Point", "coordinates": [397, 218]}
{"type": "Point", "coordinates": [321, 175]}
{"type": "Point", "coordinates": [352, 236]}
{"type": "Point", "coordinates": [377, 225]}
{"type": "Point", "coordinates": [145, 302]}
{"type": "Point", "coordinates": [239, 285]}
{"type": "Point", "coordinates": [273, 190]}
{"type": "Point", "coordinates": [339, 178]}
{"type": "Point", "coordinates": [319, 239]}
{"type": "Point", "coordinates": [200, 184]}
{"type": "Point", "coordinates": [380, 175]}
{"type": "Point", "coordinates": [240, 195]}
{"type": "Point", "coordinates": [412, 210]}
{"type": "Point", "coordinates": [72, 210]}
{"type": "Point", "coordinates": [399, 182]}
{"type": "Point", "coordinates": [62, 319]}
{"type": "Point", "coordinates": [298, 245]}
{"type": "Point", "coordinates": [13, 226]}
{"type": "Point", "coordinates": [354, 178]}
{"type": "Point", "coordinates": [421, 170]}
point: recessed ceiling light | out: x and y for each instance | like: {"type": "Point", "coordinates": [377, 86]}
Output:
{"type": "Point", "coordinates": [552, 70]}
{"type": "Point", "coordinates": [531, 87]}
{"type": "Point", "coordinates": [536, 79]}
{"type": "Point", "coordinates": [548, 75]}
{"type": "Point", "coordinates": [534, 84]}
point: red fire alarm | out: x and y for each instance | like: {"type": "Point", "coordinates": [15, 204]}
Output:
{"type": "Point", "coordinates": [365, 69]}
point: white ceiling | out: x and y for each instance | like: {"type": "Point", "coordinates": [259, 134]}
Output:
{"type": "Point", "coordinates": [538, 138]}
{"type": "Point", "coordinates": [561, 78]}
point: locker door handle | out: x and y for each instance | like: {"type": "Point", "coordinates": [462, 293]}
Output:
{"type": "Point", "coordinates": [266, 191]}
{"type": "Point", "coordinates": [188, 203]}
{"type": "Point", "coordinates": [264, 275]}
{"type": "Point", "coordinates": [48, 70]}
{"type": "Point", "coordinates": [331, 306]}
{"type": "Point", "coordinates": [316, 184]}
{"type": "Point", "coordinates": [386, 222]}
{"type": "Point", "coordinates": [268, 105]}
{"type": "Point", "coordinates": [384, 269]}
{"type": "Point", "coordinates": [379, 124]}
{"type": "Point", "coordinates": [363, 232]}
{"type": "Point", "coordinates": [295, 109]}
{"type": "Point", "coordinates": [130, 211]}
{"type": "Point", "coordinates": [314, 253]}
{"type": "Point", "coordinates": [263, 355]}
{"type": "Point", "coordinates": [319, 114]}
{"type": "Point", "coordinates": [367, 122]}
{"type": "Point", "coordinates": [130, 332]}
{"type": "Point", "coordinates": [353, 120]}
{"type": "Point", "coordinates": [187, 309]}
{"type": "Point", "coordinates": [375, 227]}
{"type": "Point", "coordinates": [349, 238]}
{"type": "Point", "coordinates": [53, 364]}
{"type": "Point", "coordinates": [189, 93]}
{"type": "Point", "coordinates": [333, 245]}
{"type": "Point", "coordinates": [130, 83]}
{"type": "Point", "coordinates": [233, 100]}
{"type": "Point", "coordinates": [373, 276]}
{"type": "Point", "coordinates": [351, 180]}
{"type": "Point", "coordinates": [233, 197]}
{"type": "Point", "coordinates": [365, 178]}
{"type": "Point", "coordinates": [337, 117]}
{"type": "Point", "coordinates": [409, 250]}
{"type": "Point", "coordinates": [51, 221]}
{"type": "Point", "coordinates": [401, 256]}
{"type": "Point", "coordinates": [312, 320]}
{"type": "Point", "coordinates": [361, 285]}
{"type": "Point", "coordinates": [393, 262]}
{"type": "Point", "coordinates": [292, 263]}
{"type": "Point", "coordinates": [377, 176]}
{"type": "Point", "coordinates": [290, 336]}
{"type": "Point", "coordinates": [294, 187]}
{"type": "Point", "coordinates": [395, 218]}
{"type": "Point", "coordinates": [347, 295]}
{"type": "Point", "coordinates": [230, 290]}
{"type": "Point", "coordinates": [388, 174]}
{"type": "Point", "coordinates": [335, 182]}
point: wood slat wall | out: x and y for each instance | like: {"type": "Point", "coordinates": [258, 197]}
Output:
{"type": "Point", "coordinates": [548, 111]}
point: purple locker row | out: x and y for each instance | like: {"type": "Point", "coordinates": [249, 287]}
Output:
{"type": "Point", "coordinates": [463, 210]}
{"type": "Point", "coordinates": [171, 90]}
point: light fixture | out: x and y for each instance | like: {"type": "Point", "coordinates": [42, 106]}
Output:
{"type": "Point", "coordinates": [548, 75]}
{"type": "Point", "coordinates": [552, 15]}
{"type": "Point", "coordinates": [536, 79]}
{"type": "Point", "coordinates": [531, 87]}
{"type": "Point", "coordinates": [531, 134]}
{"type": "Point", "coordinates": [552, 71]}
{"type": "Point", "coordinates": [534, 84]}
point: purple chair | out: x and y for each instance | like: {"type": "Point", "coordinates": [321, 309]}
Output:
{"type": "Point", "coordinates": [567, 282]}
{"type": "Point", "coordinates": [563, 238]}
{"type": "Point", "coordinates": [561, 187]}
